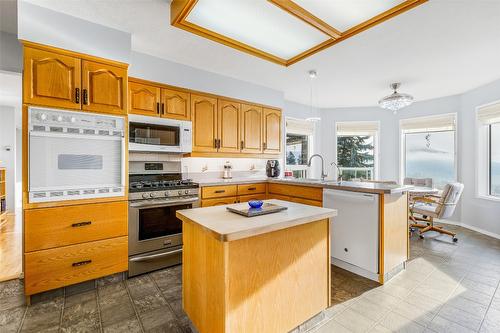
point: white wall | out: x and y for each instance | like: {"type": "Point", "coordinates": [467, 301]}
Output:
{"type": "Point", "coordinates": [151, 68]}
{"type": "Point", "coordinates": [7, 150]}
{"type": "Point", "coordinates": [45, 26]}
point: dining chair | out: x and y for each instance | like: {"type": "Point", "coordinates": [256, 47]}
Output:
{"type": "Point", "coordinates": [432, 207]}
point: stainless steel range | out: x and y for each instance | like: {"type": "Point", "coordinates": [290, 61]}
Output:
{"type": "Point", "coordinates": [155, 233]}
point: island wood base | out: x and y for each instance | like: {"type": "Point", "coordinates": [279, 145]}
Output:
{"type": "Point", "coordinates": [266, 283]}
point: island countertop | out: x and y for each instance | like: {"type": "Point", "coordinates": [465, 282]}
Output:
{"type": "Point", "coordinates": [228, 226]}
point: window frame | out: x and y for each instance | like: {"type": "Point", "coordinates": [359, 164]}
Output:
{"type": "Point", "coordinates": [376, 144]}
{"type": "Point", "coordinates": [402, 142]}
{"type": "Point", "coordinates": [483, 157]}
{"type": "Point", "coordinates": [310, 145]}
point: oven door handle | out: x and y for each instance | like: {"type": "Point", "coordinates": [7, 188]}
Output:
{"type": "Point", "coordinates": [155, 256]}
{"type": "Point", "coordinates": [162, 204]}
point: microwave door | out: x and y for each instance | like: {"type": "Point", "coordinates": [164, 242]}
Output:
{"type": "Point", "coordinates": [63, 162]}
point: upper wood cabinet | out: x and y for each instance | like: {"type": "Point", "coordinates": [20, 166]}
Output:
{"type": "Point", "coordinates": [51, 79]}
{"type": "Point", "coordinates": [204, 117]}
{"type": "Point", "coordinates": [104, 88]}
{"type": "Point", "coordinates": [175, 104]}
{"type": "Point", "coordinates": [251, 129]}
{"type": "Point", "coordinates": [59, 78]}
{"type": "Point", "coordinates": [228, 126]}
{"type": "Point", "coordinates": [272, 131]}
{"type": "Point", "coordinates": [144, 99]}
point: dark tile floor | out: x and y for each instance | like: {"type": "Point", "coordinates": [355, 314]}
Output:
{"type": "Point", "coordinates": [446, 288]}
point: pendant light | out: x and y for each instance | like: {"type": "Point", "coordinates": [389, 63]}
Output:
{"type": "Point", "coordinates": [395, 101]}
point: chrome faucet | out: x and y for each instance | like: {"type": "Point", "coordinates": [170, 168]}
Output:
{"type": "Point", "coordinates": [339, 175]}
{"type": "Point", "coordinates": [323, 175]}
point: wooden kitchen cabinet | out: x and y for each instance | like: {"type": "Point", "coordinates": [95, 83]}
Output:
{"type": "Point", "coordinates": [218, 201]}
{"type": "Point", "coordinates": [296, 193]}
{"type": "Point", "coordinates": [272, 131]}
{"type": "Point", "coordinates": [104, 88]}
{"type": "Point", "coordinates": [175, 104]}
{"type": "Point", "coordinates": [144, 99]}
{"type": "Point", "coordinates": [204, 117]}
{"type": "Point", "coordinates": [51, 79]}
{"type": "Point", "coordinates": [228, 120]}
{"type": "Point", "coordinates": [251, 129]}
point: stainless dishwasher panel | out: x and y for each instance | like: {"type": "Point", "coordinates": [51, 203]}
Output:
{"type": "Point", "coordinates": [355, 230]}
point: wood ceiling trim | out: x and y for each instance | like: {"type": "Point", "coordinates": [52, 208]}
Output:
{"type": "Point", "coordinates": [306, 16]}
{"type": "Point", "coordinates": [180, 9]}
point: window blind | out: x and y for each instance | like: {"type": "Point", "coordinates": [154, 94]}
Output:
{"type": "Point", "coordinates": [357, 127]}
{"type": "Point", "coordinates": [444, 122]}
{"type": "Point", "coordinates": [299, 126]}
{"type": "Point", "coordinates": [489, 114]}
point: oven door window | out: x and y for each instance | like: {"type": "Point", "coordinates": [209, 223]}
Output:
{"type": "Point", "coordinates": [154, 134]}
{"type": "Point", "coordinates": [159, 222]}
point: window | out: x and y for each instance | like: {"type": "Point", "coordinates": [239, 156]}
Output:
{"type": "Point", "coordinates": [494, 158]}
{"type": "Point", "coordinates": [356, 149]}
{"type": "Point", "coordinates": [488, 161]}
{"type": "Point", "coordinates": [298, 146]}
{"type": "Point", "coordinates": [429, 149]}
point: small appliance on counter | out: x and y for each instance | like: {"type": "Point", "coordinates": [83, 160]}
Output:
{"type": "Point", "coordinates": [227, 171]}
{"type": "Point", "coordinates": [273, 168]}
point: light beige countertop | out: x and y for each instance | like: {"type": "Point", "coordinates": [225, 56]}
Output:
{"type": "Point", "coordinates": [228, 226]}
{"type": "Point", "coordinates": [365, 187]}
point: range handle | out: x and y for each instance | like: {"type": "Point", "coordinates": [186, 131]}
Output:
{"type": "Point", "coordinates": [155, 256]}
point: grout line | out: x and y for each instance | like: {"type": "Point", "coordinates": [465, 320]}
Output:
{"type": "Point", "coordinates": [133, 306]}
{"type": "Point", "coordinates": [62, 309]}
{"type": "Point", "coordinates": [101, 329]}
{"type": "Point", "coordinates": [489, 306]}
{"type": "Point", "coordinates": [22, 319]}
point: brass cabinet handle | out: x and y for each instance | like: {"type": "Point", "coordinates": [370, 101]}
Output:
{"type": "Point", "coordinates": [220, 191]}
{"type": "Point", "coordinates": [252, 188]}
{"type": "Point", "coordinates": [162, 108]}
{"type": "Point", "coordinates": [264, 145]}
{"type": "Point", "coordinates": [158, 108]}
{"type": "Point", "coordinates": [81, 224]}
{"type": "Point", "coordinates": [85, 97]}
{"type": "Point", "coordinates": [215, 143]}
{"type": "Point", "coordinates": [81, 263]}
{"type": "Point", "coordinates": [77, 95]}
{"type": "Point", "coordinates": [242, 144]}
{"type": "Point", "coordinates": [218, 143]}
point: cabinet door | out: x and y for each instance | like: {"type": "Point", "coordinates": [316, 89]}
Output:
{"type": "Point", "coordinates": [175, 104]}
{"type": "Point", "coordinates": [51, 79]}
{"type": "Point", "coordinates": [251, 129]}
{"type": "Point", "coordinates": [104, 88]}
{"type": "Point", "coordinates": [204, 117]}
{"type": "Point", "coordinates": [229, 124]}
{"type": "Point", "coordinates": [272, 131]}
{"type": "Point", "coordinates": [143, 99]}
{"type": "Point", "coordinates": [219, 201]}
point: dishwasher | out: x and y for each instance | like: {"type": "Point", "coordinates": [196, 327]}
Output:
{"type": "Point", "coordinates": [354, 231]}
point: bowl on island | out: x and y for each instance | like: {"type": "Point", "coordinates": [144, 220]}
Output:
{"type": "Point", "coordinates": [255, 203]}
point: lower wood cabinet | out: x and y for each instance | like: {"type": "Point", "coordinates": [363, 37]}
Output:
{"type": "Point", "coordinates": [307, 195]}
{"type": "Point", "coordinates": [63, 266]}
{"type": "Point", "coordinates": [229, 194]}
{"type": "Point", "coordinates": [218, 201]}
{"type": "Point", "coordinates": [72, 244]}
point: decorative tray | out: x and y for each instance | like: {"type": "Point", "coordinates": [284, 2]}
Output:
{"type": "Point", "coordinates": [267, 208]}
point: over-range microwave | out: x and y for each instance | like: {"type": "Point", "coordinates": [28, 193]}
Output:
{"type": "Point", "coordinates": [152, 134]}
{"type": "Point", "coordinates": [74, 155]}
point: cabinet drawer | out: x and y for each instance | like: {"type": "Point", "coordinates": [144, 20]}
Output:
{"type": "Point", "coordinates": [251, 188]}
{"type": "Point", "coordinates": [306, 201]}
{"type": "Point", "coordinates": [219, 202]}
{"type": "Point", "coordinates": [53, 227]}
{"type": "Point", "coordinates": [218, 191]}
{"type": "Point", "coordinates": [306, 192]}
{"type": "Point", "coordinates": [246, 198]}
{"type": "Point", "coordinates": [55, 268]}
{"type": "Point", "coordinates": [278, 197]}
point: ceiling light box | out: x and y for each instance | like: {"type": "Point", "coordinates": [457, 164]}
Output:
{"type": "Point", "coordinates": [282, 31]}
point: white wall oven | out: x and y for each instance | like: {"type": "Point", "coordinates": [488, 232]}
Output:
{"type": "Point", "coordinates": [159, 135]}
{"type": "Point", "coordinates": [75, 155]}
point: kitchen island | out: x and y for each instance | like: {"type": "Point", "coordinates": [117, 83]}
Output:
{"type": "Point", "coordinates": [266, 273]}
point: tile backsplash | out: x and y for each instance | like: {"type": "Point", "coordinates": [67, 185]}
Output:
{"type": "Point", "coordinates": [204, 168]}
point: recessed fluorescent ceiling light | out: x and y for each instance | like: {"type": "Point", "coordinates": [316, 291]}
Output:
{"type": "Point", "coordinates": [259, 24]}
{"type": "Point", "coordinates": [345, 14]}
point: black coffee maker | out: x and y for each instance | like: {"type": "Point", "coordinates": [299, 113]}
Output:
{"type": "Point", "coordinates": [273, 168]}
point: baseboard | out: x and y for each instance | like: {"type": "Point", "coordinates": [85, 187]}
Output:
{"type": "Point", "coordinates": [470, 227]}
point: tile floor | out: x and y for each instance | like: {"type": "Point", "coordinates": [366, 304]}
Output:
{"type": "Point", "coordinates": [446, 288]}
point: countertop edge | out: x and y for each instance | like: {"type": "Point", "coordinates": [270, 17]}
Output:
{"type": "Point", "coordinates": [261, 230]}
